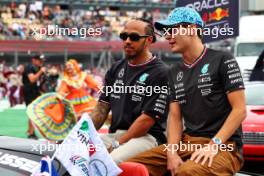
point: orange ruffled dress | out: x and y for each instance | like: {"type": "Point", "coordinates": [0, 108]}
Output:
{"type": "Point", "coordinates": [75, 90]}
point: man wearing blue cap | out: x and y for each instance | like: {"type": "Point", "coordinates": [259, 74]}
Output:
{"type": "Point", "coordinates": [207, 91]}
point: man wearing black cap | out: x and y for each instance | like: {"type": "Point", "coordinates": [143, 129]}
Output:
{"type": "Point", "coordinates": [31, 76]}
{"type": "Point", "coordinates": [207, 91]}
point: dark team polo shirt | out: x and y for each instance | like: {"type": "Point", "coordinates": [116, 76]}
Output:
{"type": "Point", "coordinates": [201, 90]}
{"type": "Point", "coordinates": [128, 105]}
{"type": "Point", "coordinates": [31, 90]}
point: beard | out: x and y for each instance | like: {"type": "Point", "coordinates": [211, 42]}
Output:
{"type": "Point", "coordinates": [130, 57]}
{"type": "Point", "coordinates": [137, 52]}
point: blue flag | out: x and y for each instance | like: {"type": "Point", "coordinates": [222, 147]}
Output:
{"type": "Point", "coordinates": [45, 168]}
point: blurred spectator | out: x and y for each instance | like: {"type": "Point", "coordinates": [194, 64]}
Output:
{"type": "Point", "coordinates": [3, 88]}
{"type": "Point", "coordinates": [20, 71]}
{"type": "Point", "coordinates": [14, 85]}
{"type": "Point", "coordinates": [31, 76]}
{"type": "Point", "coordinates": [51, 79]}
{"type": "Point", "coordinates": [11, 77]}
{"type": "Point", "coordinates": [17, 20]}
{"type": "Point", "coordinates": [258, 71]}
{"type": "Point", "coordinates": [3, 81]}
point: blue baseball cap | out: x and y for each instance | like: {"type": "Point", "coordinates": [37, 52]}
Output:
{"type": "Point", "coordinates": [180, 15]}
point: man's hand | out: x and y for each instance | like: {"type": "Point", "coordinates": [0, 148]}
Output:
{"type": "Point", "coordinates": [204, 154]}
{"type": "Point", "coordinates": [139, 127]}
{"type": "Point", "coordinates": [34, 77]}
{"type": "Point", "coordinates": [43, 69]}
{"type": "Point", "coordinates": [174, 161]}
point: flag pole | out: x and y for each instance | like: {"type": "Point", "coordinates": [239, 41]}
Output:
{"type": "Point", "coordinates": [56, 151]}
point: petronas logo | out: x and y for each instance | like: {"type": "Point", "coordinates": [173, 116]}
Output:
{"type": "Point", "coordinates": [205, 69]}
{"type": "Point", "coordinates": [143, 77]}
{"type": "Point", "coordinates": [85, 126]}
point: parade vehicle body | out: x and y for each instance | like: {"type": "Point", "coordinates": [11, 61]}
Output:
{"type": "Point", "coordinates": [253, 125]}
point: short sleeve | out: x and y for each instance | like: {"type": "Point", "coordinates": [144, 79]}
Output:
{"type": "Point", "coordinates": [105, 97]}
{"type": "Point", "coordinates": [156, 105]}
{"type": "Point", "coordinates": [28, 69]}
{"type": "Point", "coordinates": [230, 74]}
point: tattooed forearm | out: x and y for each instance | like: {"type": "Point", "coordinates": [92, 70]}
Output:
{"type": "Point", "coordinates": [99, 114]}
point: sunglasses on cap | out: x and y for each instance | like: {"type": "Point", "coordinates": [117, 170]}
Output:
{"type": "Point", "coordinates": [132, 36]}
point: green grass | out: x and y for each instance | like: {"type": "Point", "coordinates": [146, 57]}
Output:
{"type": "Point", "coordinates": [14, 122]}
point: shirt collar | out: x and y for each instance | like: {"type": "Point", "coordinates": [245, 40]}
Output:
{"type": "Point", "coordinates": [197, 60]}
{"type": "Point", "coordinates": [145, 63]}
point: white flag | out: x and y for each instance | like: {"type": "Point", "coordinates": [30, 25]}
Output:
{"type": "Point", "coordinates": [83, 153]}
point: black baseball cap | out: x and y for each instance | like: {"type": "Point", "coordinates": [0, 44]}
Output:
{"type": "Point", "coordinates": [39, 57]}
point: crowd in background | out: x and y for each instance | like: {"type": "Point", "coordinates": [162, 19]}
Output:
{"type": "Point", "coordinates": [11, 83]}
{"type": "Point", "coordinates": [11, 86]}
{"type": "Point", "coordinates": [18, 20]}
{"type": "Point", "coordinates": [134, 1]}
